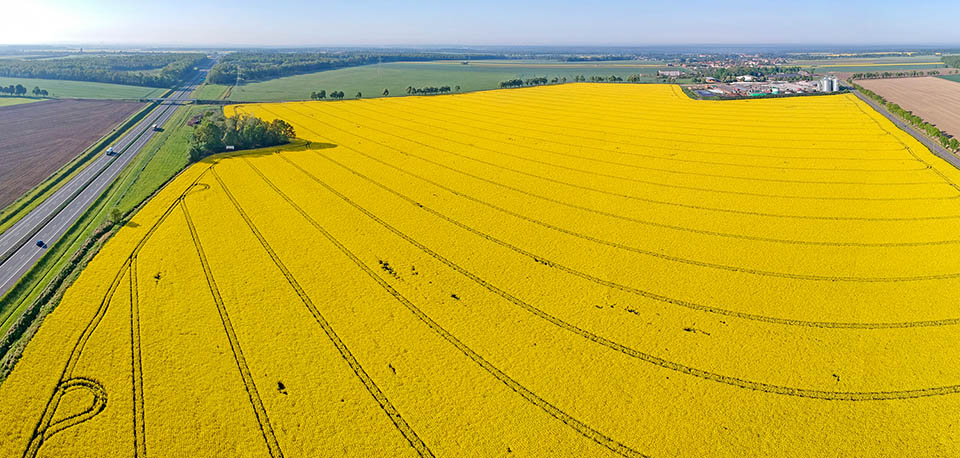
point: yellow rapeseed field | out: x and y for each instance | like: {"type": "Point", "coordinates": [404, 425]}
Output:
{"type": "Point", "coordinates": [576, 270]}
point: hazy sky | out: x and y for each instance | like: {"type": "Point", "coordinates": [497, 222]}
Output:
{"type": "Point", "coordinates": [490, 22]}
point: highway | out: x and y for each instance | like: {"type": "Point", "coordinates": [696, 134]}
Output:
{"type": "Point", "coordinates": [52, 218]}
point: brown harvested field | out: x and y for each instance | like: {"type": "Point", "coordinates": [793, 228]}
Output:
{"type": "Point", "coordinates": [936, 100]}
{"type": "Point", "coordinates": [36, 139]}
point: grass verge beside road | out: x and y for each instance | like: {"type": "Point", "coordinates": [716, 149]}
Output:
{"type": "Point", "coordinates": [211, 92]}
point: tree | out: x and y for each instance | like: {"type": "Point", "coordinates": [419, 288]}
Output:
{"type": "Point", "coordinates": [954, 143]}
{"type": "Point", "coordinates": [20, 90]}
{"type": "Point", "coordinates": [359, 95]}
{"type": "Point", "coordinates": [116, 215]}
{"type": "Point", "coordinates": [409, 90]}
{"type": "Point", "coordinates": [242, 132]}
{"type": "Point", "coordinates": [210, 135]}
{"type": "Point", "coordinates": [36, 91]}
{"type": "Point", "coordinates": [386, 92]}
{"type": "Point", "coordinates": [322, 94]}
{"type": "Point", "coordinates": [44, 92]}
{"type": "Point", "coordinates": [313, 95]}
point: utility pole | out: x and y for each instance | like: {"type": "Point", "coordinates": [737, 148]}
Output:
{"type": "Point", "coordinates": [238, 75]}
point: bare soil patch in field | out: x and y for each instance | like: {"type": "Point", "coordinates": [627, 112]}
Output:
{"type": "Point", "coordinates": [936, 100]}
{"type": "Point", "coordinates": [36, 139]}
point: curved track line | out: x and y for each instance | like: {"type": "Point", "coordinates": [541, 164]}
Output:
{"type": "Point", "coordinates": [622, 217]}
{"type": "Point", "coordinates": [647, 182]}
{"type": "Point", "coordinates": [466, 114]}
{"type": "Point", "coordinates": [943, 176]}
{"type": "Point", "coordinates": [622, 164]}
{"type": "Point", "coordinates": [666, 364]}
{"type": "Point", "coordinates": [99, 403]}
{"type": "Point", "coordinates": [655, 254]}
{"type": "Point", "coordinates": [676, 140]}
{"type": "Point", "coordinates": [408, 433]}
{"type": "Point", "coordinates": [651, 183]}
{"type": "Point", "coordinates": [582, 428]}
{"type": "Point", "coordinates": [501, 107]}
{"type": "Point", "coordinates": [756, 213]}
{"type": "Point", "coordinates": [46, 418]}
{"type": "Point", "coordinates": [667, 299]}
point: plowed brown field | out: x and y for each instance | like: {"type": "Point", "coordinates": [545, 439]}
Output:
{"type": "Point", "coordinates": [936, 100]}
{"type": "Point", "coordinates": [36, 139]}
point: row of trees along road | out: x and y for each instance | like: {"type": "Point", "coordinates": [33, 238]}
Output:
{"type": "Point", "coordinates": [21, 90]}
{"type": "Point", "coordinates": [944, 138]}
{"type": "Point", "coordinates": [243, 131]}
{"type": "Point", "coordinates": [906, 74]}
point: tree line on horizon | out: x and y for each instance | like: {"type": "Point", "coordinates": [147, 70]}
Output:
{"type": "Point", "coordinates": [140, 69]}
{"type": "Point", "coordinates": [263, 65]}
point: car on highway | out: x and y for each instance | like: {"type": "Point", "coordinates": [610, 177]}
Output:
{"type": "Point", "coordinates": [41, 244]}
{"type": "Point", "coordinates": [110, 151]}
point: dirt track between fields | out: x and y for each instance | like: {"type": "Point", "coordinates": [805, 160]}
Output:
{"type": "Point", "coordinates": [36, 139]}
{"type": "Point", "coordinates": [936, 100]}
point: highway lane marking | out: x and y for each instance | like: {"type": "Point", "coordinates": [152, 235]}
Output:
{"type": "Point", "coordinates": [129, 140]}
{"type": "Point", "coordinates": [84, 198]}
